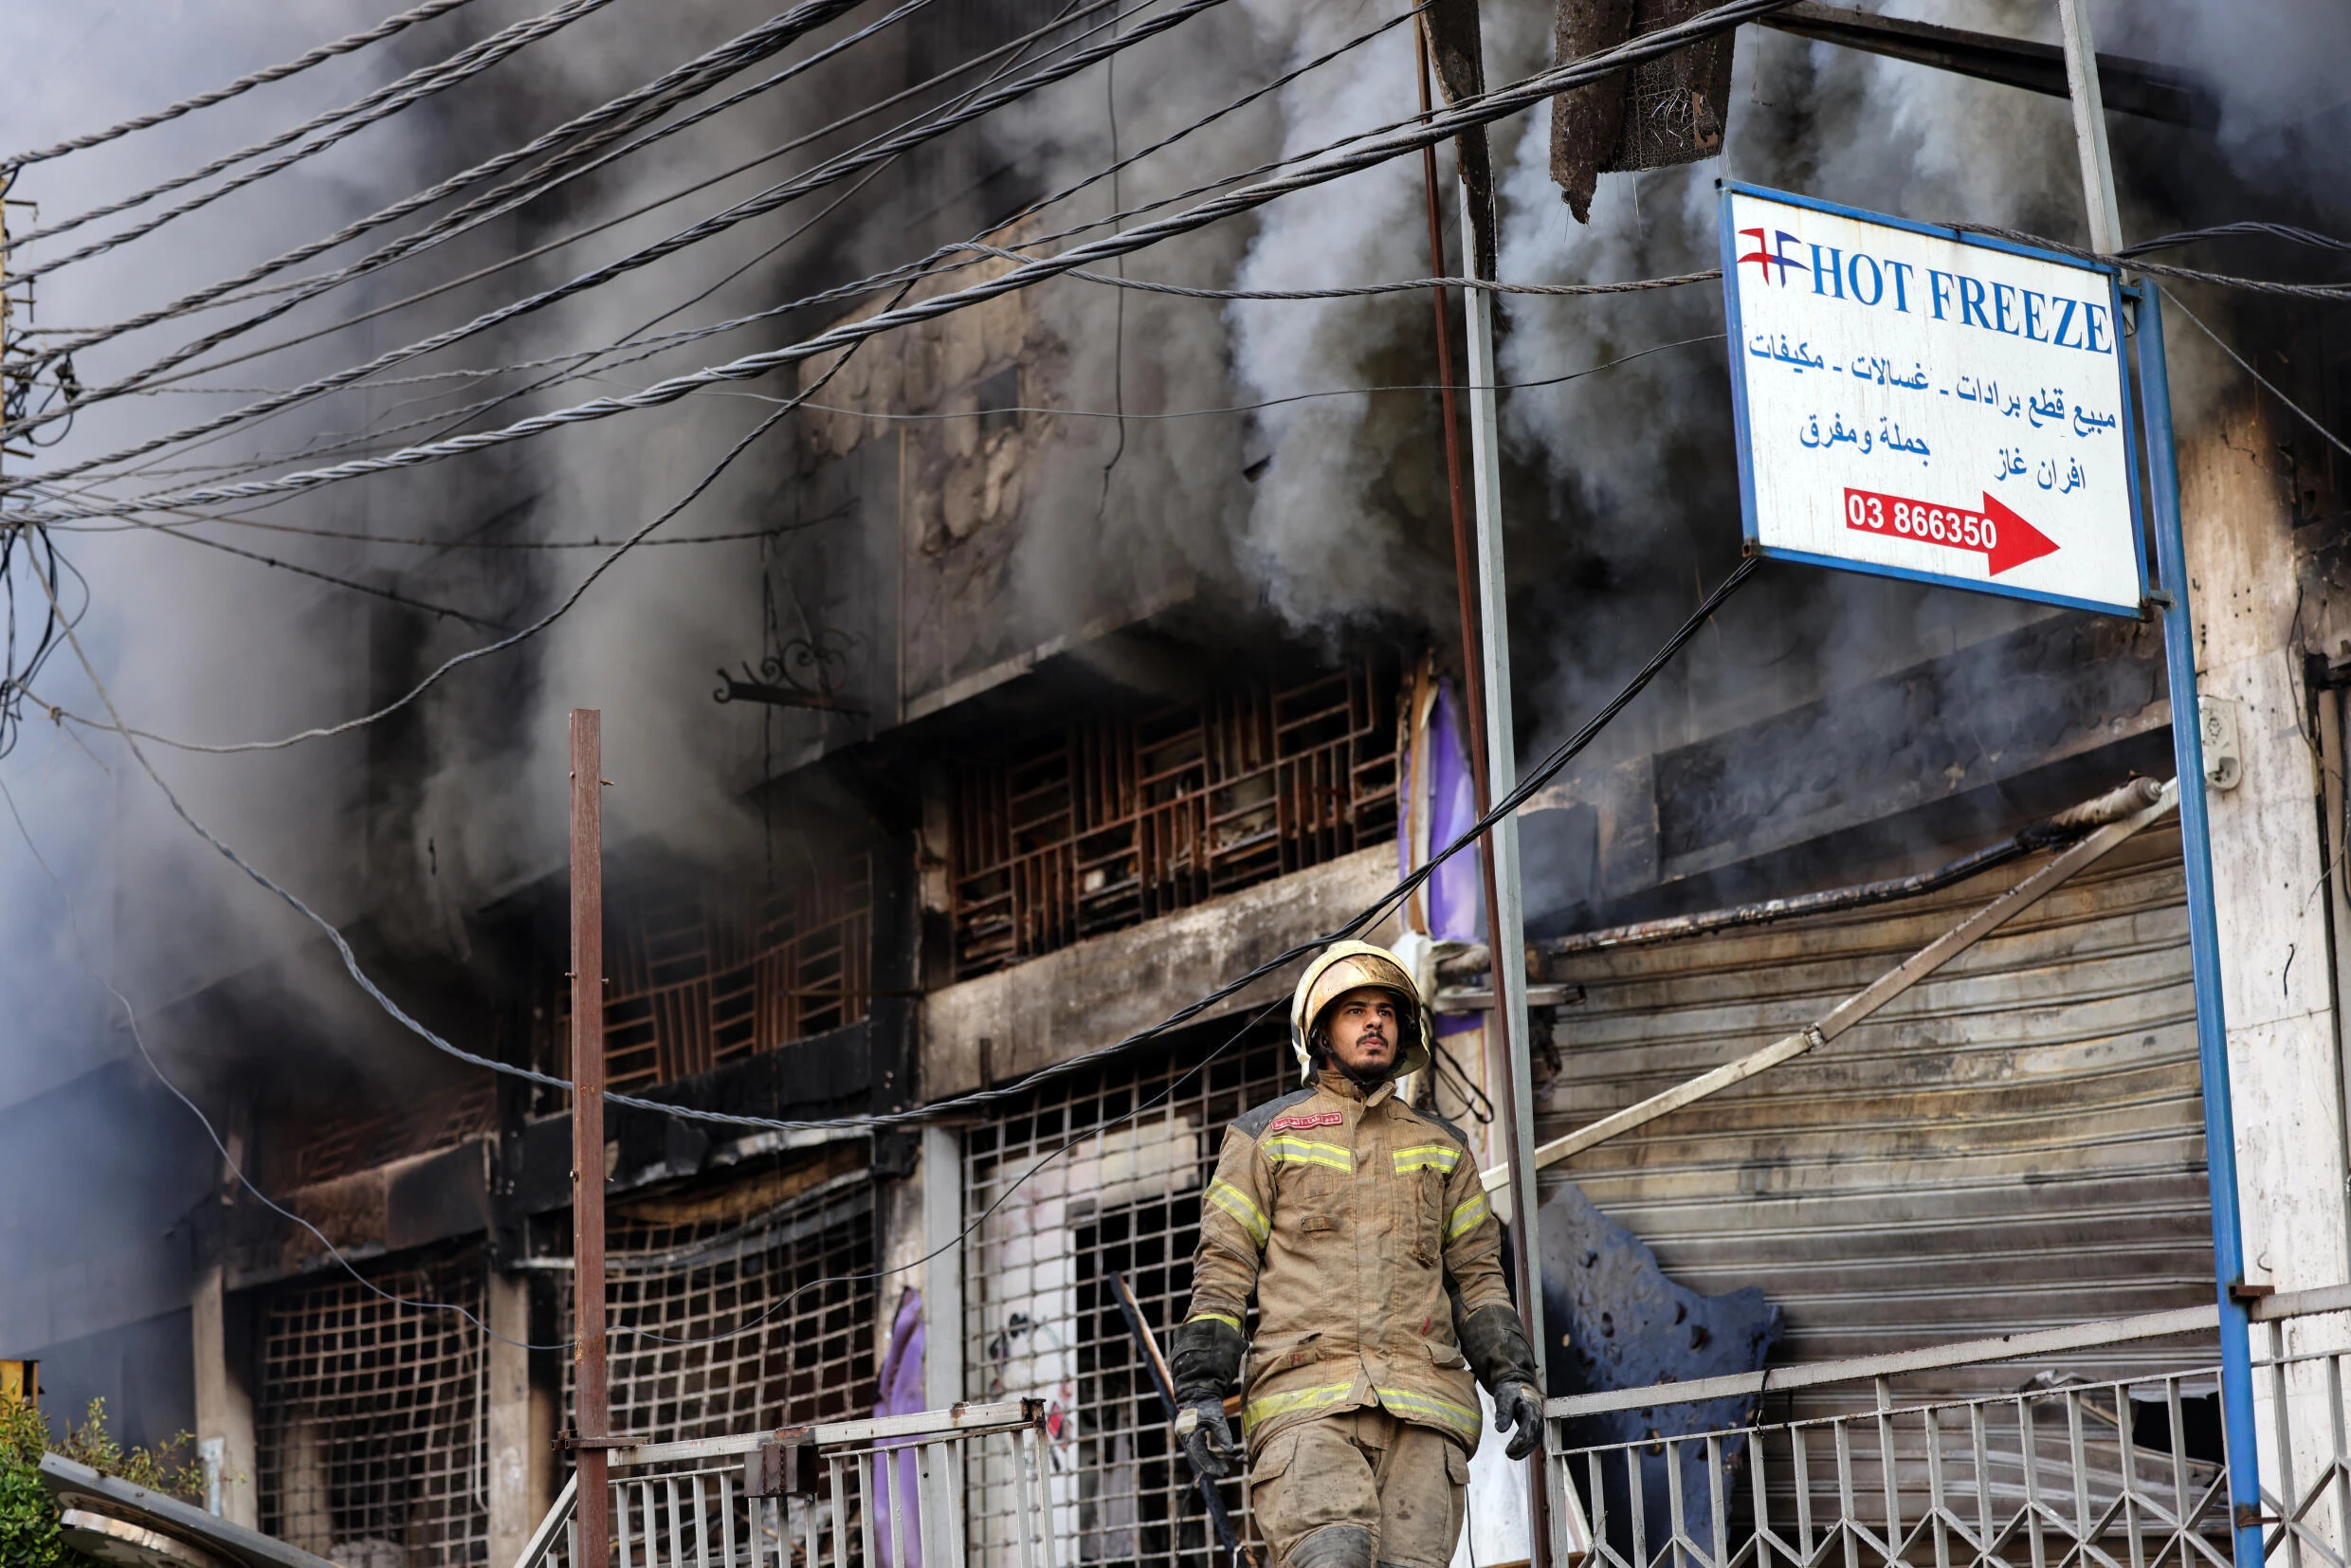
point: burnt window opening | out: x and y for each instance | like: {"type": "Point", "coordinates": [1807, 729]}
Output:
{"type": "Point", "coordinates": [358, 1132]}
{"type": "Point", "coordinates": [372, 1418]}
{"type": "Point", "coordinates": [700, 972]}
{"type": "Point", "coordinates": [1110, 822]}
{"type": "Point", "coordinates": [1040, 1317]}
{"type": "Point", "coordinates": [2200, 1435]}
{"type": "Point", "coordinates": [999, 401]}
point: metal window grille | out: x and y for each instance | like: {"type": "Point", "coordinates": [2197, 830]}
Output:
{"type": "Point", "coordinates": [1113, 821]}
{"type": "Point", "coordinates": [701, 972]}
{"type": "Point", "coordinates": [372, 1419]}
{"type": "Point", "coordinates": [1042, 1319]}
{"type": "Point", "coordinates": [761, 1324]}
{"type": "Point", "coordinates": [363, 1135]}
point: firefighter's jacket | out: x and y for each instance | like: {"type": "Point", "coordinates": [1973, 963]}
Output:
{"type": "Point", "coordinates": [1347, 1215]}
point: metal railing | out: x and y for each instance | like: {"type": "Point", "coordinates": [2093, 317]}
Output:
{"type": "Point", "coordinates": [2055, 1470]}
{"type": "Point", "coordinates": [881, 1493]}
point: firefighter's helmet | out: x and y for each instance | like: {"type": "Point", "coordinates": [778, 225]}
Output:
{"type": "Point", "coordinates": [1340, 968]}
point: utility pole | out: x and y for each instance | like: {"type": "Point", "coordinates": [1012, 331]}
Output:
{"type": "Point", "coordinates": [2179, 645]}
{"type": "Point", "coordinates": [594, 1505]}
{"type": "Point", "coordinates": [1507, 933]}
{"type": "Point", "coordinates": [1485, 658]}
{"type": "Point", "coordinates": [1485, 672]}
{"type": "Point", "coordinates": [2089, 127]}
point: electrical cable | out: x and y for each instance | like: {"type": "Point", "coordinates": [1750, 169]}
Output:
{"type": "Point", "coordinates": [349, 121]}
{"type": "Point", "coordinates": [391, 595]}
{"type": "Point", "coordinates": [875, 281]}
{"type": "Point", "coordinates": [608, 121]}
{"type": "Point", "coordinates": [236, 1168]}
{"type": "Point", "coordinates": [324, 52]}
{"type": "Point", "coordinates": [663, 341]}
{"type": "Point", "coordinates": [830, 171]}
{"type": "Point", "coordinates": [281, 398]}
{"type": "Point", "coordinates": [2237, 230]}
{"type": "Point", "coordinates": [1407, 137]}
{"type": "Point", "coordinates": [771, 531]}
{"type": "Point", "coordinates": [1017, 49]}
{"type": "Point", "coordinates": [786, 528]}
{"type": "Point", "coordinates": [1536, 777]}
{"type": "Point", "coordinates": [1356, 291]}
{"type": "Point", "coordinates": [805, 401]}
{"type": "Point", "coordinates": [140, 380]}
{"type": "Point", "coordinates": [2298, 410]}
{"type": "Point", "coordinates": [1054, 412]}
{"type": "Point", "coordinates": [2334, 293]}
{"type": "Point", "coordinates": [36, 542]}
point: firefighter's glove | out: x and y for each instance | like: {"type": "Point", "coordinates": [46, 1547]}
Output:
{"type": "Point", "coordinates": [1494, 1343]}
{"type": "Point", "coordinates": [1205, 1360]}
{"type": "Point", "coordinates": [1518, 1405]}
{"type": "Point", "coordinates": [1207, 1439]}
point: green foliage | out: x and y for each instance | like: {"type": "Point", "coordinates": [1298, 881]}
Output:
{"type": "Point", "coordinates": [28, 1536]}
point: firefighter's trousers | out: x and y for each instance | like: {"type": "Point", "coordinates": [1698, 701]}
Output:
{"type": "Point", "coordinates": [1356, 1473]}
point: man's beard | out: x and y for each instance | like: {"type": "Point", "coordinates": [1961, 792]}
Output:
{"type": "Point", "coordinates": [1367, 1078]}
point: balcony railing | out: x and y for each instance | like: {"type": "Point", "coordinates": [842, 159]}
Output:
{"type": "Point", "coordinates": [883, 1493]}
{"type": "Point", "coordinates": [2056, 1473]}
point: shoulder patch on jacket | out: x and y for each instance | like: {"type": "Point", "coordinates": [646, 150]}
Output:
{"type": "Point", "coordinates": [1254, 1122]}
{"type": "Point", "coordinates": [1437, 1120]}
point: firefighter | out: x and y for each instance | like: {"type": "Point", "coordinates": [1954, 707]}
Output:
{"type": "Point", "coordinates": [1360, 1227]}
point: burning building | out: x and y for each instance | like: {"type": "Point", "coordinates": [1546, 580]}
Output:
{"type": "Point", "coordinates": [1081, 649]}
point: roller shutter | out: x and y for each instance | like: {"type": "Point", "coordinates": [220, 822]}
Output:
{"type": "Point", "coordinates": [2016, 1143]}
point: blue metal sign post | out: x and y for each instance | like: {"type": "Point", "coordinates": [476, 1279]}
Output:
{"type": "Point", "coordinates": [2211, 1033]}
{"type": "Point", "coordinates": [1880, 372]}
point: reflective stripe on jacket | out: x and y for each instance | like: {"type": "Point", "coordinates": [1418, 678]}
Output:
{"type": "Point", "coordinates": [1347, 1215]}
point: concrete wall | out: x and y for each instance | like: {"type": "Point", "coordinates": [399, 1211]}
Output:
{"type": "Point", "coordinates": [2268, 866]}
{"type": "Point", "coordinates": [1100, 990]}
{"type": "Point", "coordinates": [2269, 881]}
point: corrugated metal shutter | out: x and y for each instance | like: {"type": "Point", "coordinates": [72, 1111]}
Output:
{"type": "Point", "coordinates": [2018, 1142]}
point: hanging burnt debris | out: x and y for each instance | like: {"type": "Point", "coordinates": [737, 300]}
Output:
{"type": "Point", "coordinates": [1663, 111]}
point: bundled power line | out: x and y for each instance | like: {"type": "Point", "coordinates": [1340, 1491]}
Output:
{"type": "Point", "coordinates": [386, 29]}
{"type": "Point", "coordinates": [881, 150]}
{"type": "Point", "coordinates": [1367, 149]}
{"type": "Point", "coordinates": [600, 126]}
{"type": "Point", "coordinates": [338, 124]}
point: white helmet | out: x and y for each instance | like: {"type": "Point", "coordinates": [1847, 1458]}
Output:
{"type": "Point", "coordinates": [1340, 968]}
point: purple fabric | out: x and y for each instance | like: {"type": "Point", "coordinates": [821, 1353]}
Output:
{"type": "Point", "coordinates": [1456, 894]}
{"type": "Point", "coordinates": [901, 1395]}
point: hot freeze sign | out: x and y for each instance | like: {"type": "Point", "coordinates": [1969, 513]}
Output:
{"type": "Point", "coordinates": [1918, 402]}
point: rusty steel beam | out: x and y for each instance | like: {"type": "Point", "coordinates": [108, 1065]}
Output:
{"type": "Point", "coordinates": [594, 1397]}
{"type": "Point", "coordinates": [2129, 86]}
{"type": "Point", "coordinates": [2045, 834]}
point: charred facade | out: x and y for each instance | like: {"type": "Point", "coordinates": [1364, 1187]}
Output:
{"type": "Point", "coordinates": [1081, 651]}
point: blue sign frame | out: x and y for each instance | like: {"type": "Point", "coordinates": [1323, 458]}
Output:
{"type": "Point", "coordinates": [1730, 246]}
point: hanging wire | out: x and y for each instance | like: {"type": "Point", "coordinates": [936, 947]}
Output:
{"type": "Point", "coordinates": [324, 52]}
{"type": "Point", "coordinates": [337, 124]}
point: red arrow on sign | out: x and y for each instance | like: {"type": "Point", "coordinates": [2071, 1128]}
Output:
{"type": "Point", "coordinates": [1997, 534]}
